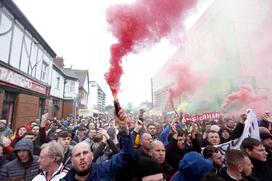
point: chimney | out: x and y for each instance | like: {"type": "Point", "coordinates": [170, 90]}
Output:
{"type": "Point", "coordinates": [59, 62]}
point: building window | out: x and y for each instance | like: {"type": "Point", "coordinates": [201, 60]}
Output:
{"type": "Point", "coordinates": [72, 87]}
{"type": "Point", "coordinates": [44, 71]}
{"type": "Point", "coordinates": [58, 83]}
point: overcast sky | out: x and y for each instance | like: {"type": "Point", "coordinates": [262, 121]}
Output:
{"type": "Point", "coordinates": [77, 31]}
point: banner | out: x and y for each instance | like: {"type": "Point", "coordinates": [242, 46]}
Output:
{"type": "Point", "coordinates": [201, 117]}
{"type": "Point", "coordinates": [251, 129]}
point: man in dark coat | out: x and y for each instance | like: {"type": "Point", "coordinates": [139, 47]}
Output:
{"type": "Point", "coordinates": [25, 166]}
{"type": "Point", "coordinates": [258, 156]}
{"type": "Point", "coordinates": [239, 167]}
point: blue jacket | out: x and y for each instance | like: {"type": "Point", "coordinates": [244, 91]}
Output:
{"type": "Point", "coordinates": [106, 170]}
{"type": "Point", "coordinates": [192, 167]}
{"type": "Point", "coordinates": [166, 132]}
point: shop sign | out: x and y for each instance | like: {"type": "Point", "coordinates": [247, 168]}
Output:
{"type": "Point", "coordinates": [16, 79]}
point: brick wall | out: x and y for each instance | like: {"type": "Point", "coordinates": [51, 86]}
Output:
{"type": "Point", "coordinates": [26, 110]}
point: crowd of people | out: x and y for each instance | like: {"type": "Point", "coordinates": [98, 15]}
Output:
{"type": "Point", "coordinates": [127, 147]}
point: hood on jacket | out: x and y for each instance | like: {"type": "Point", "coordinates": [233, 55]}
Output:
{"type": "Point", "coordinates": [192, 167]}
{"type": "Point", "coordinates": [24, 144]}
{"type": "Point", "coordinates": [17, 131]}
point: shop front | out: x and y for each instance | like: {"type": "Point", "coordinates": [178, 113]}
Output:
{"type": "Point", "coordinates": [22, 99]}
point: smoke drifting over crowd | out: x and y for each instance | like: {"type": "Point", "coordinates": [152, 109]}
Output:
{"type": "Point", "coordinates": [140, 25]}
{"type": "Point", "coordinates": [233, 48]}
{"type": "Point", "coordinates": [231, 55]}
{"type": "Point", "coordinates": [185, 80]}
{"type": "Point", "coordinates": [245, 98]}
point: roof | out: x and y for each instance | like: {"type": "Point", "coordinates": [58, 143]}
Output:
{"type": "Point", "coordinates": [64, 73]}
{"type": "Point", "coordinates": [69, 72]}
{"type": "Point", "coordinates": [81, 75]}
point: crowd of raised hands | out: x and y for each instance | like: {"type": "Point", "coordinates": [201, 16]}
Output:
{"type": "Point", "coordinates": [126, 146]}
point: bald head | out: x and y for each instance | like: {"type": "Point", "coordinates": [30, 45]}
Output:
{"type": "Point", "coordinates": [146, 140]}
{"type": "Point", "coordinates": [157, 151]}
{"type": "Point", "coordinates": [82, 158]}
{"type": "Point", "coordinates": [80, 146]}
{"type": "Point", "coordinates": [156, 143]}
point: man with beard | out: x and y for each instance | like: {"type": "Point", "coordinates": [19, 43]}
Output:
{"type": "Point", "coordinates": [82, 167]}
{"type": "Point", "coordinates": [212, 153]}
{"type": "Point", "coordinates": [239, 166]}
{"type": "Point", "coordinates": [50, 162]}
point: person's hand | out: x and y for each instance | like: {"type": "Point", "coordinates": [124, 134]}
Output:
{"type": "Point", "coordinates": [193, 130]}
{"type": "Point", "coordinates": [44, 120]}
{"type": "Point", "coordinates": [174, 129]}
{"type": "Point", "coordinates": [138, 126]}
{"type": "Point", "coordinates": [123, 121]}
{"type": "Point", "coordinates": [104, 133]}
{"type": "Point", "coordinates": [267, 118]}
{"type": "Point", "coordinates": [243, 118]}
{"type": "Point", "coordinates": [168, 121]}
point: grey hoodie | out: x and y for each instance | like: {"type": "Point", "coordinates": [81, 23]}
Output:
{"type": "Point", "coordinates": [17, 169]}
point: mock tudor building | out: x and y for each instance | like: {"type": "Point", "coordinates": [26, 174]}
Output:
{"type": "Point", "coordinates": [25, 67]}
{"type": "Point", "coordinates": [32, 78]}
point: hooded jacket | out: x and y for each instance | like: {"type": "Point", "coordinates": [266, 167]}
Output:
{"type": "Point", "coordinates": [192, 167]}
{"type": "Point", "coordinates": [19, 170]}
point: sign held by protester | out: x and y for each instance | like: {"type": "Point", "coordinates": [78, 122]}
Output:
{"type": "Point", "coordinates": [251, 129]}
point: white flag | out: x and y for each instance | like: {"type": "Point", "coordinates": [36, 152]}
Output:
{"type": "Point", "coordinates": [251, 129]}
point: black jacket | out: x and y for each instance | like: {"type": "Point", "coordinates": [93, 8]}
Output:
{"type": "Point", "coordinates": [223, 173]}
{"type": "Point", "coordinates": [261, 170]}
{"type": "Point", "coordinates": [174, 154]}
{"type": "Point", "coordinates": [168, 170]}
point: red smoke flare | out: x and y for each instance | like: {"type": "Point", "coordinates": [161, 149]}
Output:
{"type": "Point", "coordinates": [247, 99]}
{"type": "Point", "coordinates": [139, 25]}
{"type": "Point", "coordinates": [184, 78]}
{"type": "Point", "coordinates": [244, 95]}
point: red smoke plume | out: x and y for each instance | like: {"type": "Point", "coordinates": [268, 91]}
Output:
{"type": "Point", "coordinates": [184, 78]}
{"type": "Point", "coordinates": [139, 25]}
{"type": "Point", "coordinates": [244, 95]}
{"type": "Point", "coordinates": [247, 99]}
